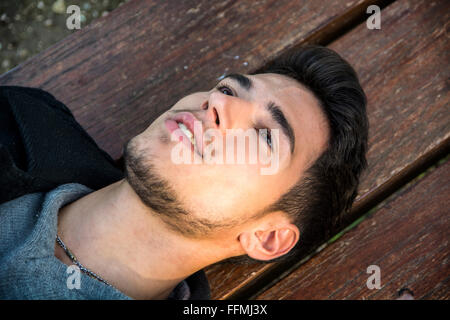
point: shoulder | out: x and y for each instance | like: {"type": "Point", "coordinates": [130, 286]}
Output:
{"type": "Point", "coordinates": [26, 94]}
{"type": "Point", "coordinates": [17, 221]}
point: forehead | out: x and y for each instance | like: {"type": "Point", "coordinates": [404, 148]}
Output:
{"type": "Point", "coordinates": [274, 81]}
{"type": "Point", "coordinates": [283, 88]}
{"type": "Point", "coordinates": [300, 107]}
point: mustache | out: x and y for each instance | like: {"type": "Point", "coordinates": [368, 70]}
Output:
{"type": "Point", "coordinates": [195, 112]}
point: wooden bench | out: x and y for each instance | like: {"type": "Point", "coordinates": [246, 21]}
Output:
{"type": "Point", "coordinates": [122, 71]}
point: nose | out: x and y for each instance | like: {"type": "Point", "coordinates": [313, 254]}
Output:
{"type": "Point", "coordinates": [228, 112]}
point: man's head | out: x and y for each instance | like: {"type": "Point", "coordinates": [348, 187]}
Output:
{"type": "Point", "coordinates": [314, 100]}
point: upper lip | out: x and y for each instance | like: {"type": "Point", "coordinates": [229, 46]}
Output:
{"type": "Point", "coordinates": [189, 120]}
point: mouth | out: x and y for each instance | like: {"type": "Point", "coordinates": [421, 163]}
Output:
{"type": "Point", "coordinates": [189, 127]}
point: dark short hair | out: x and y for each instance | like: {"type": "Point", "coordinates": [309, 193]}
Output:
{"type": "Point", "coordinates": [328, 188]}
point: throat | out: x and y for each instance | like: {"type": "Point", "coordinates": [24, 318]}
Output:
{"type": "Point", "coordinates": [112, 235]}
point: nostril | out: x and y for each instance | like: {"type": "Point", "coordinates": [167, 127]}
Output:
{"type": "Point", "coordinates": [205, 105]}
{"type": "Point", "coordinates": [216, 116]}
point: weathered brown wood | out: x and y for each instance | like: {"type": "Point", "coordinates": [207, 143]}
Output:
{"type": "Point", "coordinates": [119, 73]}
{"type": "Point", "coordinates": [407, 238]}
{"type": "Point", "coordinates": [404, 70]}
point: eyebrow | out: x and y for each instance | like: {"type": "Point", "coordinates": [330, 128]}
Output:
{"type": "Point", "coordinates": [279, 118]}
{"type": "Point", "coordinates": [242, 80]}
{"type": "Point", "coordinates": [275, 111]}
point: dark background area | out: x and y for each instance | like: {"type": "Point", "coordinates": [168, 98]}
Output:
{"type": "Point", "coordinates": [28, 27]}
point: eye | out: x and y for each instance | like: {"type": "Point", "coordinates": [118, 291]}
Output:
{"type": "Point", "coordinates": [225, 90]}
{"type": "Point", "coordinates": [266, 135]}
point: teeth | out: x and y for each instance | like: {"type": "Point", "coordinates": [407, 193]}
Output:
{"type": "Point", "coordinates": [187, 132]}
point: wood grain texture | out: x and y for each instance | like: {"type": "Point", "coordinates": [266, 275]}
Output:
{"type": "Point", "coordinates": [407, 238]}
{"type": "Point", "coordinates": [404, 71]}
{"type": "Point", "coordinates": [122, 71]}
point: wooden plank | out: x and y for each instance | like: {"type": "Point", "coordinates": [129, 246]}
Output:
{"type": "Point", "coordinates": [404, 71]}
{"type": "Point", "coordinates": [407, 238]}
{"type": "Point", "coordinates": [122, 71]}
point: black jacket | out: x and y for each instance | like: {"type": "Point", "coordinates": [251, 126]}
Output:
{"type": "Point", "coordinates": [42, 146]}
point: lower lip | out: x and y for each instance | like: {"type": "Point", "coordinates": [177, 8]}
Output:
{"type": "Point", "coordinates": [172, 126]}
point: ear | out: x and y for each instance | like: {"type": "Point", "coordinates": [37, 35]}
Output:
{"type": "Point", "coordinates": [271, 242]}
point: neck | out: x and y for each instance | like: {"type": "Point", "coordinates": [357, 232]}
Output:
{"type": "Point", "coordinates": [114, 235]}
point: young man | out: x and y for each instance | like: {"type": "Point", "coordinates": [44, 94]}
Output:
{"type": "Point", "coordinates": [149, 234]}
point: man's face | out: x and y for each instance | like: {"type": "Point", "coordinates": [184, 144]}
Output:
{"type": "Point", "coordinates": [228, 193]}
